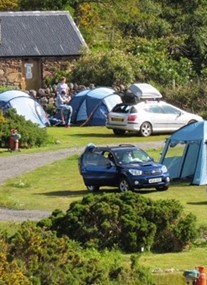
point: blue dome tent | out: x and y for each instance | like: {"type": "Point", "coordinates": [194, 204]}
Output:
{"type": "Point", "coordinates": [91, 106]}
{"type": "Point", "coordinates": [24, 105]}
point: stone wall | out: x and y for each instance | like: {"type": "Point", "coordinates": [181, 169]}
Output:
{"type": "Point", "coordinates": [51, 65]}
{"type": "Point", "coordinates": [10, 72]}
{"type": "Point", "coordinates": [11, 75]}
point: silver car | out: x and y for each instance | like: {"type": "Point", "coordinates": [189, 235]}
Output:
{"type": "Point", "coordinates": [147, 117]}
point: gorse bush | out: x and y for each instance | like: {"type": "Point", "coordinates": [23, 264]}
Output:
{"type": "Point", "coordinates": [127, 221]}
{"type": "Point", "coordinates": [10, 272]}
{"type": "Point", "coordinates": [31, 134]}
{"type": "Point", "coordinates": [36, 256]}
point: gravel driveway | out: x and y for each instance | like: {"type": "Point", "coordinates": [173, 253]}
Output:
{"type": "Point", "coordinates": [17, 164]}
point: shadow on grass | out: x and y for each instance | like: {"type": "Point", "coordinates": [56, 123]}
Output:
{"type": "Point", "coordinates": [112, 135]}
{"type": "Point", "coordinates": [77, 193]}
{"type": "Point", "coordinates": [204, 203]}
{"type": "Point", "coordinates": [63, 193]}
{"type": "Point", "coordinates": [66, 193]}
{"type": "Point", "coordinates": [180, 183]}
{"type": "Point", "coordinates": [87, 135]}
{"type": "Point", "coordinates": [145, 191]}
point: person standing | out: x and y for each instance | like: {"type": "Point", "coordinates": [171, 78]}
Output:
{"type": "Point", "coordinates": [62, 86]}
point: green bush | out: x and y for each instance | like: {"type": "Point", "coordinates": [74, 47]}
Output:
{"type": "Point", "coordinates": [36, 256]}
{"type": "Point", "coordinates": [31, 134]}
{"type": "Point", "coordinates": [190, 97]}
{"type": "Point", "coordinates": [6, 88]}
{"type": "Point", "coordinates": [126, 221]}
{"type": "Point", "coordinates": [106, 68]}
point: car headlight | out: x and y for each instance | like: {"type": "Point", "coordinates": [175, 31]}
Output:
{"type": "Point", "coordinates": [164, 169]}
{"type": "Point", "coordinates": [135, 172]}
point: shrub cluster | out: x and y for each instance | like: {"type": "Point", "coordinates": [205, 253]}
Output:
{"type": "Point", "coordinates": [127, 221]}
{"type": "Point", "coordinates": [31, 134]}
{"type": "Point", "coordinates": [35, 256]}
{"type": "Point", "coordinates": [190, 97]}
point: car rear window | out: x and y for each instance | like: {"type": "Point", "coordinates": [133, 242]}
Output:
{"type": "Point", "coordinates": [124, 109]}
{"type": "Point", "coordinates": [121, 108]}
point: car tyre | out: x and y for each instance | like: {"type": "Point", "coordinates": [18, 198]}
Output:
{"type": "Point", "coordinates": [146, 129]}
{"type": "Point", "coordinates": [119, 132]}
{"type": "Point", "coordinates": [162, 188]}
{"type": "Point", "coordinates": [124, 185]}
{"type": "Point", "coordinates": [92, 188]}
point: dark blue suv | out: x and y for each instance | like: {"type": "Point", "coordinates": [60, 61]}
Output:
{"type": "Point", "coordinates": [124, 166]}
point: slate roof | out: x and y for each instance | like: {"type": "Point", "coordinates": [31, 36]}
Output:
{"type": "Point", "coordinates": [39, 33]}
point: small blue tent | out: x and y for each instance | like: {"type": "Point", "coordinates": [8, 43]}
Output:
{"type": "Point", "coordinates": [25, 105]}
{"type": "Point", "coordinates": [90, 107]}
{"type": "Point", "coordinates": [185, 154]}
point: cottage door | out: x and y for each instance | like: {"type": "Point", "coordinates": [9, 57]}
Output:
{"type": "Point", "coordinates": [31, 71]}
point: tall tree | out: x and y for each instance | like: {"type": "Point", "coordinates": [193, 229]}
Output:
{"type": "Point", "coordinates": [29, 5]}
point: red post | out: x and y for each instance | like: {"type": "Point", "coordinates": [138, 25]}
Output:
{"type": "Point", "coordinates": [14, 140]}
{"type": "Point", "coordinates": [202, 277]}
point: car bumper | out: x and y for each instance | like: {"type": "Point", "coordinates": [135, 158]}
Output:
{"type": "Point", "coordinates": [150, 182]}
{"type": "Point", "coordinates": [128, 127]}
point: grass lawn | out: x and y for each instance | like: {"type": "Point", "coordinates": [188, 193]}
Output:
{"type": "Point", "coordinates": [57, 185]}
{"type": "Point", "coordinates": [60, 137]}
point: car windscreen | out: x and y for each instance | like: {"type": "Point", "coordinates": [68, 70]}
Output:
{"type": "Point", "coordinates": [125, 156]}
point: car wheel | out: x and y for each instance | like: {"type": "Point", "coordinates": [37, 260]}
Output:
{"type": "Point", "coordinates": [124, 185]}
{"type": "Point", "coordinates": [162, 188]}
{"type": "Point", "coordinates": [92, 188]}
{"type": "Point", "coordinates": [146, 129]}
{"type": "Point", "coordinates": [119, 132]}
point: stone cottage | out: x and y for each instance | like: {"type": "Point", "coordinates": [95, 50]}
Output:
{"type": "Point", "coordinates": [34, 44]}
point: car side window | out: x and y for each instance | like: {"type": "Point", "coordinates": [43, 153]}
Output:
{"type": "Point", "coordinates": [95, 159]}
{"type": "Point", "coordinates": [154, 109]}
{"type": "Point", "coordinates": [89, 158]}
{"type": "Point", "coordinates": [170, 110]}
{"type": "Point", "coordinates": [133, 110]}
{"type": "Point", "coordinates": [109, 156]}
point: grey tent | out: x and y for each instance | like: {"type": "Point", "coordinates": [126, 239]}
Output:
{"type": "Point", "coordinates": [24, 105]}
{"type": "Point", "coordinates": [185, 153]}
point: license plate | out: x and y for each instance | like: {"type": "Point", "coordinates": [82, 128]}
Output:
{"type": "Point", "coordinates": [154, 180]}
{"type": "Point", "coordinates": [117, 119]}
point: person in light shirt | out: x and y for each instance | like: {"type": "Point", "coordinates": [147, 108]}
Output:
{"type": "Point", "coordinates": [62, 86]}
{"type": "Point", "coordinates": [66, 110]}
